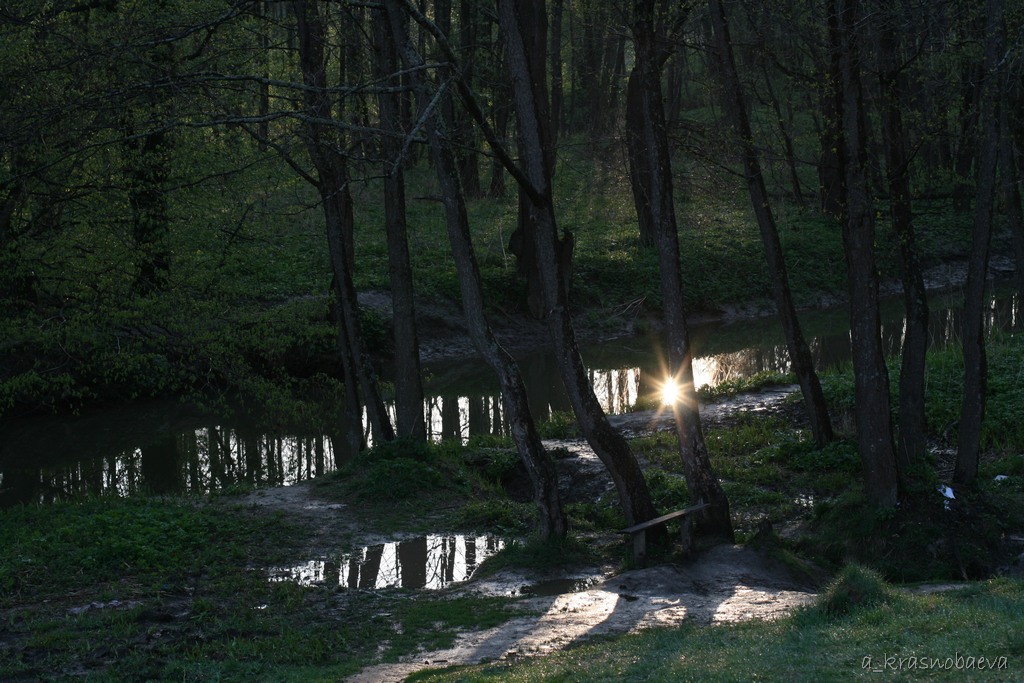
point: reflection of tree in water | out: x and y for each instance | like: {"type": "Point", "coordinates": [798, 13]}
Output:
{"type": "Point", "coordinates": [194, 461]}
{"type": "Point", "coordinates": [616, 389]}
{"type": "Point", "coordinates": [161, 471]}
{"type": "Point", "coordinates": [431, 562]}
{"type": "Point", "coordinates": [216, 457]}
{"type": "Point", "coordinates": [723, 367]}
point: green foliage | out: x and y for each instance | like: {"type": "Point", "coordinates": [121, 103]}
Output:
{"type": "Point", "coordinates": [718, 235]}
{"type": "Point", "coordinates": [856, 588]}
{"type": "Point", "coordinates": [923, 539]}
{"type": "Point", "coordinates": [499, 516]}
{"type": "Point", "coordinates": [1002, 430]}
{"type": "Point", "coordinates": [403, 471]}
{"type": "Point", "coordinates": [65, 545]}
{"type": "Point", "coordinates": [500, 463]}
{"type": "Point", "coordinates": [559, 425]}
{"type": "Point", "coordinates": [158, 590]}
{"type": "Point", "coordinates": [738, 385]}
{"type": "Point", "coordinates": [668, 491]}
{"type": "Point", "coordinates": [604, 515]}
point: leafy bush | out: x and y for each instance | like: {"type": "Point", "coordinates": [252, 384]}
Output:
{"type": "Point", "coordinates": [407, 471]}
{"type": "Point", "coordinates": [399, 479]}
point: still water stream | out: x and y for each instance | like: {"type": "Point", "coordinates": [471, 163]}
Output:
{"type": "Point", "coordinates": [427, 562]}
{"type": "Point", "coordinates": [164, 447]}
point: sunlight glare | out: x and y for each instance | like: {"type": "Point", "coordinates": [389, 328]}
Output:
{"type": "Point", "coordinates": [670, 392]}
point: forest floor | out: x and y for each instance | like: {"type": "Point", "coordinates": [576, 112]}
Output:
{"type": "Point", "coordinates": [722, 584]}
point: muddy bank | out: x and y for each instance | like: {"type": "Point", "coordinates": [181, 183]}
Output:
{"type": "Point", "coordinates": [724, 584]}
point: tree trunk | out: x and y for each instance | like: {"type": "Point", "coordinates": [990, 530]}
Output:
{"type": "Point", "coordinates": [465, 133]}
{"type": "Point", "coordinates": [149, 163]}
{"type": "Point", "coordinates": [557, 96]}
{"type": "Point", "coordinates": [500, 114]}
{"type": "Point", "coordinates": [871, 378]}
{"type": "Point", "coordinates": [324, 150]}
{"type": "Point", "coordinates": [518, 20]}
{"type": "Point", "coordinates": [972, 411]}
{"type": "Point", "coordinates": [831, 159]}
{"type": "Point", "coordinates": [640, 179]}
{"type": "Point", "coordinates": [408, 378]}
{"type": "Point", "coordinates": [647, 130]}
{"type": "Point", "coordinates": [523, 240]}
{"type": "Point", "coordinates": [911, 439]}
{"type": "Point", "coordinates": [536, 460]}
{"type": "Point", "coordinates": [799, 351]}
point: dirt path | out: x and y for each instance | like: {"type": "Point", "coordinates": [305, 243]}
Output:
{"type": "Point", "coordinates": [724, 584]}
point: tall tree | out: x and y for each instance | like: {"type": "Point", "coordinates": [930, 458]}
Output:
{"type": "Point", "coordinates": [332, 181]}
{"type": "Point", "coordinates": [408, 378]}
{"type": "Point", "coordinates": [871, 378]}
{"type": "Point", "coordinates": [651, 176]}
{"type": "Point", "coordinates": [513, 391]}
{"type": "Point", "coordinates": [522, 241]}
{"type": "Point", "coordinates": [520, 21]}
{"type": "Point", "coordinates": [972, 412]}
{"type": "Point", "coordinates": [799, 351]}
{"type": "Point", "coordinates": [912, 422]}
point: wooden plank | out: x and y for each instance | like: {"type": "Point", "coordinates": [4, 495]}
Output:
{"type": "Point", "coordinates": [664, 518]}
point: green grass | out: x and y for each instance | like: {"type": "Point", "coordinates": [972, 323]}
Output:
{"type": "Point", "coordinates": [1002, 430]}
{"type": "Point", "coordinates": [193, 599]}
{"type": "Point", "coordinates": [770, 470]}
{"type": "Point", "coordinates": [895, 633]}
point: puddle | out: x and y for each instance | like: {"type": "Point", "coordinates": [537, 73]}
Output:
{"type": "Point", "coordinates": [428, 562]}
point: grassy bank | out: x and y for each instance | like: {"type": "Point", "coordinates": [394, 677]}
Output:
{"type": "Point", "coordinates": [158, 589]}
